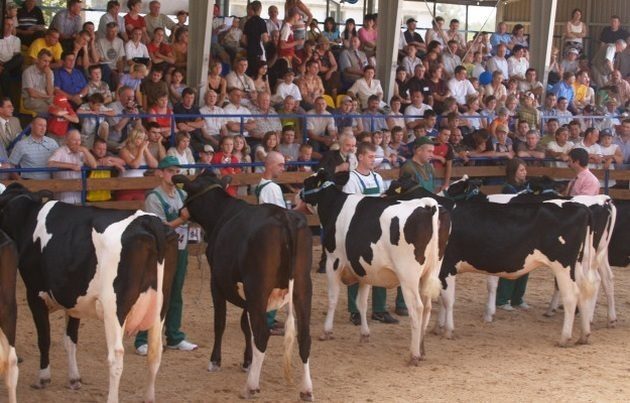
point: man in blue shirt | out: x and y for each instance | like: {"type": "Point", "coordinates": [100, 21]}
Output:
{"type": "Point", "coordinates": [501, 37]}
{"type": "Point", "coordinates": [564, 89]}
{"type": "Point", "coordinates": [69, 81]}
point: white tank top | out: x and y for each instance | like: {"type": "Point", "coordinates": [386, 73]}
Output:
{"type": "Point", "coordinates": [576, 29]}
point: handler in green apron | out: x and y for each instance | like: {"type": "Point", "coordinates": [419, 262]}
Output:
{"type": "Point", "coordinates": [419, 167]}
{"type": "Point", "coordinates": [167, 202]}
{"type": "Point", "coordinates": [364, 180]}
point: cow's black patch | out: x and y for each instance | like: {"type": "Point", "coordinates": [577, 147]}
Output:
{"type": "Point", "coordinates": [336, 264]}
{"type": "Point", "coordinates": [418, 231]}
{"type": "Point", "coordinates": [619, 247]}
{"type": "Point", "coordinates": [394, 231]}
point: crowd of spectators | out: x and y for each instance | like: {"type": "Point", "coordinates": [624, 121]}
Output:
{"type": "Point", "coordinates": [86, 83]}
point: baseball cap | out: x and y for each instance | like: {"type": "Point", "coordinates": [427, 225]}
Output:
{"type": "Point", "coordinates": [208, 148]}
{"type": "Point", "coordinates": [410, 20]}
{"type": "Point", "coordinates": [420, 141]}
{"type": "Point", "coordinates": [502, 128]}
{"type": "Point", "coordinates": [574, 50]}
{"type": "Point", "coordinates": [605, 132]}
{"type": "Point", "coordinates": [168, 162]}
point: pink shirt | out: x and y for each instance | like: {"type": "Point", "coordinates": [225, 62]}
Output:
{"type": "Point", "coordinates": [365, 35]}
{"type": "Point", "coordinates": [585, 184]}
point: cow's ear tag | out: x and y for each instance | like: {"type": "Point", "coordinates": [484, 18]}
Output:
{"type": "Point", "coordinates": [180, 185]}
{"type": "Point", "coordinates": [398, 189]}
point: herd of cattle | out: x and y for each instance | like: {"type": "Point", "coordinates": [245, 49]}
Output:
{"type": "Point", "coordinates": [118, 265]}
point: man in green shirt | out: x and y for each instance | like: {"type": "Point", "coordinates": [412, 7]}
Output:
{"type": "Point", "coordinates": [419, 167]}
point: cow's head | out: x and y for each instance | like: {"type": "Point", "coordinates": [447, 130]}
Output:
{"type": "Point", "coordinates": [406, 188]}
{"type": "Point", "coordinates": [401, 186]}
{"type": "Point", "coordinates": [314, 184]}
{"type": "Point", "coordinates": [545, 185]}
{"type": "Point", "coordinates": [16, 202]}
{"type": "Point", "coordinates": [205, 182]}
{"type": "Point", "coordinates": [462, 189]}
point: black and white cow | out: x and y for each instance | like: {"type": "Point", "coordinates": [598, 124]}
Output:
{"type": "Point", "coordinates": [383, 242]}
{"type": "Point", "coordinates": [115, 265]}
{"type": "Point", "coordinates": [260, 259]}
{"type": "Point", "coordinates": [8, 314]}
{"type": "Point", "coordinates": [509, 240]}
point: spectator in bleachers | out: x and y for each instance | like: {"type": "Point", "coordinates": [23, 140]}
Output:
{"type": "Point", "coordinates": [85, 50]}
{"type": "Point", "coordinates": [133, 19]}
{"type": "Point", "coordinates": [352, 62]}
{"type": "Point", "coordinates": [501, 37]}
{"type": "Point", "coordinates": [366, 86]}
{"type": "Point", "coordinates": [72, 156]}
{"type": "Point", "coordinates": [181, 16]}
{"type": "Point", "coordinates": [68, 23]}
{"type": "Point", "coordinates": [450, 58]}
{"type": "Point", "coordinates": [50, 42]}
{"type": "Point", "coordinates": [182, 152]}
{"type": "Point", "coordinates": [575, 131]}
{"type": "Point", "coordinates": [60, 114]}
{"type": "Point", "coordinates": [527, 110]}
{"type": "Point", "coordinates": [135, 153]}
{"type": "Point", "coordinates": [33, 151]}
{"type": "Point", "coordinates": [11, 59]}
{"type": "Point", "coordinates": [415, 111]}
{"type": "Point", "coordinates": [410, 61]}
{"type": "Point", "coordinates": [287, 87]}
{"type": "Point", "coordinates": [611, 34]}
{"type": "Point", "coordinates": [559, 147]}
{"type": "Point", "coordinates": [328, 67]}
{"type": "Point", "coordinates": [375, 119]}
{"type": "Point", "coordinates": [273, 22]}
{"type": "Point", "coordinates": [623, 61]}
{"type": "Point", "coordinates": [343, 119]}
{"type": "Point", "coordinates": [531, 84]}
{"type": "Point", "coordinates": [623, 87]}
{"type": "Point", "coordinates": [288, 146]}
{"type": "Point", "coordinates": [155, 19]}
{"type": "Point", "coordinates": [531, 148]}
{"type": "Point", "coordinates": [349, 32]}
{"type": "Point", "coordinates": [435, 89]}
{"type": "Point", "coordinates": [518, 63]}
{"type": "Point", "coordinates": [436, 32]}
{"type": "Point", "coordinates": [443, 156]}
{"type": "Point", "coordinates": [570, 61]}
{"type": "Point", "coordinates": [310, 85]}
{"type": "Point", "coordinates": [121, 126]}
{"type": "Point", "coordinates": [415, 82]}
{"type": "Point", "coordinates": [288, 44]}
{"type": "Point", "coordinates": [38, 83]}
{"type": "Point", "coordinates": [520, 134]}
{"type": "Point", "coordinates": [31, 23]}
{"type": "Point", "coordinates": [99, 152]}
{"type": "Point", "coordinates": [471, 117]}
{"type": "Point", "coordinates": [238, 79]}
{"type": "Point", "coordinates": [193, 125]}
{"type": "Point", "coordinates": [112, 50]}
{"type": "Point", "coordinates": [93, 115]}
{"type": "Point", "coordinates": [70, 81]}
{"type": "Point", "coordinates": [518, 38]}
{"type": "Point", "coordinates": [268, 121]}
{"type": "Point", "coordinates": [412, 38]}
{"type": "Point", "coordinates": [9, 125]}
{"type": "Point", "coordinates": [216, 82]}
{"type": "Point", "coordinates": [460, 86]}
{"type": "Point", "coordinates": [453, 34]}
{"type": "Point", "coordinates": [503, 146]}
{"type": "Point", "coordinates": [603, 61]}
{"type": "Point", "coordinates": [242, 152]}
{"type": "Point", "coordinates": [564, 89]}
{"type": "Point", "coordinates": [496, 88]}
{"type": "Point", "coordinates": [268, 144]}
{"type": "Point", "coordinates": [136, 52]}
{"type": "Point", "coordinates": [589, 143]}
{"type": "Point", "coordinates": [151, 87]}
{"type": "Point", "coordinates": [331, 31]}
{"type": "Point", "coordinates": [488, 113]}
{"type": "Point", "coordinates": [215, 126]}
{"type": "Point", "coordinates": [480, 43]}
{"type": "Point", "coordinates": [161, 107]}
{"type": "Point", "coordinates": [234, 107]}
{"type": "Point", "coordinates": [623, 141]}
{"type": "Point", "coordinates": [180, 48]}
{"type": "Point", "coordinates": [585, 183]}
{"type": "Point", "coordinates": [206, 155]}
{"type": "Point", "coordinates": [498, 61]}
{"type": "Point", "coordinates": [395, 117]}
{"type": "Point", "coordinates": [552, 125]}
{"type": "Point", "coordinates": [564, 116]}
{"type": "Point", "coordinates": [176, 86]}
{"type": "Point", "coordinates": [113, 8]}
{"type": "Point", "coordinates": [549, 106]}
{"type": "Point", "coordinates": [254, 36]}
{"type": "Point", "coordinates": [96, 85]}
{"type": "Point", "coordinates": [314, 33]}
{"type": "Point", "coordinates": [575, 31]}
{"type": "Point", "coordinates": [321, 130]}
{"type": "Point", "coordinates": [225, 156]}
{"type": "Point", "coordinates": [368, 36]}
{"type": "Point", "coordinates": [160, 52]}
{"type": "Point", "coordinates": [154, 134]}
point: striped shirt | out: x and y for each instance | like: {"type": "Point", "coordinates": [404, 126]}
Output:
{"type": "Point", "coordinates": [32, 153]}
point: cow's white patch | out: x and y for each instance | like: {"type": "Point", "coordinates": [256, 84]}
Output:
{"type": "Point", "coordinates": [71, 350]}
{"type": "Point", "coordinates": [501, 198]}
{"type": "Point", "coordinates": [558, 202]}
{"type": "Point", "coordinates": [589, 201]}
{"type": "Point", "coordinates": [50, 301]}
{"type": "Point", "coordinates": [40, 228]}
{"type": "Point", "coordinates": [4, 352]}
{"type": "Point", "coordinates": [240, 290]}
{"type": "Point", "coordinates": [561, 240]}
{"type": "Point", "coordinates": [279, 297]}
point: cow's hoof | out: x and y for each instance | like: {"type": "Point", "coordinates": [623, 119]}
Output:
{"type": "Point", "coordinates": [415, 361]}
{"type": "Point", "coordinates": [438, 330]}
{"type": "Point", "coordinates": [214, 367]}
{"type": "Point", "coordinates": [306, 396]}
{"type": "Point", "coordinates": [326, 336]}
{"type": "Point", "coordinates": [612, 324]}
{"type": "Point", "coordinates": [41, 383]}
{"type": "Point", "coordinates": [550, 313]}
{"type": "Point", "coordinates": [487, 318]}
{"type": "Point", "coordinates": [249, 393]}
{"type": "Point", "coordinates": [74, 384]}
{"type": "Point", "coordinates": [582, 340]}
{"type": "Point", "coordinates": [563, 343]}
{"type": "Point", "coordinates": [448, 334]}
{"type": "Point", "coordinates": [365, 338]}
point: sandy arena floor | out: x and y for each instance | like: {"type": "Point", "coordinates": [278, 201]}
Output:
{"type": "Point", "coordinates": [512, 359]}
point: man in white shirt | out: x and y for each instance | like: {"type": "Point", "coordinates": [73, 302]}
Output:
{"type": "Point", "coordinates": [363, 180]}
{"type": "Point", "coordinates": [460, 86]}
{"type": "Point", "coordinates": [589, 143]}
{"type": "Point", "coordinates": [238, 79]}
{"type": "Point", "coordinates": [498, 62]}
{"type": "Point", "coordinates": [273, 23]}
{"type": "Point", "coordinates": [450, 59]}
{"type": "Point", "coordinates": [415, 111]}
{"type": "Point", "coordinates": [215, 126]}
{"type": "Point", "coordinates": [234, 107]}
{"type": "Point", "coordinates": [10, 57]}
{"type": "Point", "coordinates": [287, 87]}
{"type": "Point", "coordinates": [321, 130]}
{"type": "Point", "coordinates": [267, 191]}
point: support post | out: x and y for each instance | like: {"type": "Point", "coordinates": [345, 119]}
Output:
{"type": "Point", "coordinates": [543, 14]}
{"type": "Point", "coordinates": [199, 55]}
{"type": "Point", "coordinates": [389, 20]}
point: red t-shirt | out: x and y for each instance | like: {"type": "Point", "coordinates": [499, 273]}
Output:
{"type": "Point", "coordinates": [164, 48]}
{"type": "Point", "coordinates": [137, 23]}
{"type": "Point", "coordinates": [57, 125]}
{"type": "Point", "coordinates": [443, 150]}
{"type": "Point", "coordinates": [220, 158]}
{"type": "Point", "coordinates": [163, 121]}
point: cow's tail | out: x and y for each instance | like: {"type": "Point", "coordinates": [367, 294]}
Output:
{"type": "Point", "coordinates": [590, 276]}
{"type": "Point", "coordinates": [289, 325]}
{"type": "Point", "coordinates": [432, 283]}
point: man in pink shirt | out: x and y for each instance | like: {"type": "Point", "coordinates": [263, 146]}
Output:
{"type": "Point", "coordinates": [585, 183]}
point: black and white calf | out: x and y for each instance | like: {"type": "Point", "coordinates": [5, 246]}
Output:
{"type": "Point", "coordinates": [8, 314]}
{"type": "Point", "coordinates": [509, 240]}
{"type": "Point", "coordinates": [260, 260]}
{"type": "Point", "coordinates": [383, 242]}
{"type": "Point", "coordinates": [110, 264]}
